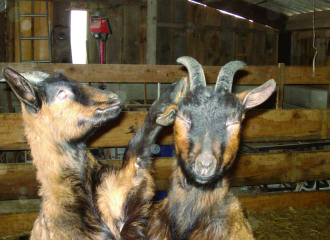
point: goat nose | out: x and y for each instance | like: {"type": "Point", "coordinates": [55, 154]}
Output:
{"type": "Point", "coordinates": [205, 164]}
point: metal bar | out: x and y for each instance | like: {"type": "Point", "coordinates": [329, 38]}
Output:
{"type": "Point", "coordinates": [34, 38]}
{"type": "Point", "coordinates": [49, 34]}
{"type": "Point", "coordinates": [35, 61]}
{"type": "Point", "coordinates": [33, 15]}
{"type": "Point", "coordinates": [32, 30]}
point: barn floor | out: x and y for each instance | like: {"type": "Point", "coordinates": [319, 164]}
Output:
{"type": "Point", "coordinates": [291, 224]}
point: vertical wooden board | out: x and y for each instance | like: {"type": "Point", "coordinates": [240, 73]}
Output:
{"type": "Point", "coordinates": [322, 47]}
{"type": "Point", "coordinates": [25, 26]}
{"type": "Point", "coordinates": [227, 39]}
{"type": "Point", "coordinates": [3, 31]}
{"type": "Point", "coordinates": [131, 34]}
{"type": "Point", "coordinates": [243, 41]}
{"type": "Point", "coordinates": [190, 29]}
{"type": "Point", "coordinates": [41, 47]}
{"type": "Point", "coordinates": [327, 56]}
{"type": "Point", "coordinates": [294, 48]}
{"type": "Point", "coordinates": [198, 17]}
{"type": "Point", "coordinates": [213, 48]}
{"type": "Point", "coordinates": [257, 56]}
{"type": "Point", "coordinates": [164, 11]}
{"type": "Point", "coordinates": [41, 50]}
{"type": "Point", "coordinates": [271, 57]}
{"type": "Point", "coordinates": [61, 16]}
{"type": "Point", "coordinates": [199, 45]}
{"type": "Point", "coordinates": [180, 11]}
{"type": "Point", "coordinates": [212, 38]}
{"type": "Point", "coordinates": [163, 51]}
{"type": "Point", "coordinates": [213, 17]}
{"type": "Point", "coordinates": [179, 44]}
{"type": "Point", "coordinates": [10, 22]}
{"type": "Point", "coordinates": [143, 35]}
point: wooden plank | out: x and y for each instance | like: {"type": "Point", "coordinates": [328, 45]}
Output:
{"type": "Point", "coordinates": [13, 223]}
{"type": "Point", "coordinates": [280, 90]}
{"type": "Point", "coordinates": [3, 33]}
{"type": "Point", "coordinates": [227, 39]}
{"type": "Point", "coordinates": [305, 21]}
{"type": "Point", "coordinates": [281, 201]}
{"type": "Point", "coordinates": [250, 11]}
{"type": "Point", "coordinates": [18, 181]}
{"type": "Point", "coordinates": [259, 126]}
{"type": "Point", "coordinates": [16, 223]}
{"type": "Point", "coordinates": [258, 48]}
{"type": "Point", "coordinates": [131, 34]}
{"type": "Point", "coordinates": [10, 38]}
{"type": "Point", "coordinates": [151, 32]}
{"type": "Point", "coordinates": [41, 47]}
{"type": "Point", "coordinates": [143, 36]}
{"type": "Point", "coordinates": [125, 73]}
{"type": "Point", "coordinates": [112, 2]}
{"type": "Point", "coordinates": [243, 41]}
{"type": "Point", "coordinates": [114, 44]}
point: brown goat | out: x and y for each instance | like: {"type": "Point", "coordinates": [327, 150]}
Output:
{"type": "Point", "coordinates": [81, 197]}
{"type": "Point", "coordinates": [206, 134]}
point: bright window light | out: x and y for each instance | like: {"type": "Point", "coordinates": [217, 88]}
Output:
{"type": "Point", "coordinates": [231, 14]}
{"type": "Point", "coordinates": [78, 36]}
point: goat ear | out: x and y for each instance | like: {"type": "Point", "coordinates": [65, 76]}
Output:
{"type": "Point", "coordinates": [258, 95]}
{"type": "Point", "coordinates": [22, 88]}
{"type": "Point", "coordinates": [167, 118]}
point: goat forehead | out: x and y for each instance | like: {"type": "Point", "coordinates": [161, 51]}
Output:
{"type": "Point", "coordinates": [210, 108]}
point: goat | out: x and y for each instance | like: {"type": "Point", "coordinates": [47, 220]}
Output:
{"type": "Point", "coordinates": [81, 197]}
{"type": "Point", "coordinates": [207, 129]}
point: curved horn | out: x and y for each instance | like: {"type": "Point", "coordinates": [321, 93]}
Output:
{"type": "Point", "coordinates": [226, 75]}
{"type": "Point", "coordinates": [196, 73]}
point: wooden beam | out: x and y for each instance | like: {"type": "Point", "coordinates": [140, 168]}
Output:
{"type": "Point", "coordinates": [216, 28]}
{"type": "Point", "coordinates": [250, 11]}
{"type": "Point", "coordinates": [19, 180]}
{"type": "Point", "coordinates": [22, 222]}
{"type": "Point", "coordinates": [304, 21]}
{"type": "Point", "coordinates": [281, 201]}
{"type": "Point", "coordinates": [259, 126]}
{"type": "Point", "coordinates": [134, 73]}
{"type": "Point", "coordinates": [280, 89]}
{"type": "Point", "coordinates": [113, 2]}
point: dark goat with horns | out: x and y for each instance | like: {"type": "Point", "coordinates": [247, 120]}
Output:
{"type": "Point", "coordinates": [207, 129]}
{"type": "Point", "coordinates": [83, 198]}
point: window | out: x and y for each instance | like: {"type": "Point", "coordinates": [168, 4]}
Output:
{"type": "Point", "coordinates": [79, 36]}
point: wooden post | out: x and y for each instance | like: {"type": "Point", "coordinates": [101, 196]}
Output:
{"type": "Point", "coordinates": [151, 37]}
{"type": "Point", "coordinates": [151, 32]}
{"type": "Point", "coordinates": [280, 90]}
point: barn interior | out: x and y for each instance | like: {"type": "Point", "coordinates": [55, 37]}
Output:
{"type": "Point", "coordinates": [282, 171]}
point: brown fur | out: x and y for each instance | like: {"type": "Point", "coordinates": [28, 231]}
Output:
{"type": "Point", "coordinates": [81, 197]}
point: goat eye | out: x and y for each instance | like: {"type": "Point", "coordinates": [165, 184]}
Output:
{"type": "Point", "coordinates": [61, 94]}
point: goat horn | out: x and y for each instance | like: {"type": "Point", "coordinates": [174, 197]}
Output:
{"type": "Point", "coordinates": [196, 73]}
{"type": "Point", "coordinates": [226, 75]}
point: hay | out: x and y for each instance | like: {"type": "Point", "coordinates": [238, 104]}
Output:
{"type": "Point", "coordinates": [291, 224]}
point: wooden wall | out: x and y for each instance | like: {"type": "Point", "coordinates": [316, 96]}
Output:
{"type": "Point", "coordinates": [183, 28]}
{"type": "Point", "coordinates": [211, 37]}
{"type": "Point", "coordinates": [32, 27]}
{"type": "Point", "coordinates": [302, 53]}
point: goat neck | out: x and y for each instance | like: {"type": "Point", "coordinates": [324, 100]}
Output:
{"type": "Point", "coordinates": [58, 115]}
